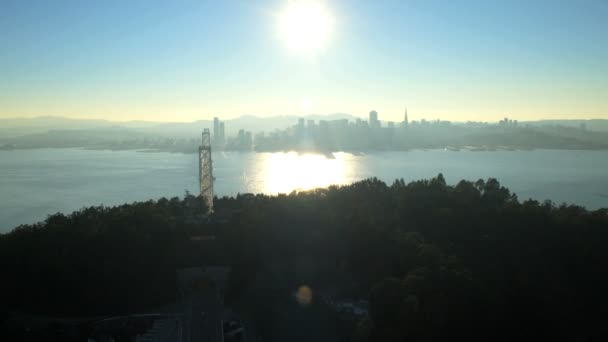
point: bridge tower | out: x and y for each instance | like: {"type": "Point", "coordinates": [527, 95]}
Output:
{"type": "Point", "coordinates": [205, 169]}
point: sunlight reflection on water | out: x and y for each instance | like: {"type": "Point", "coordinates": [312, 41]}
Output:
{"type": "Point", "coordinates": [285, 172]}
{"type": "Point", "coordinates": [73, 178]}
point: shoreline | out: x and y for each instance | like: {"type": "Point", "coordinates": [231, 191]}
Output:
{"type": "Point", "coordinates": [322, 152]}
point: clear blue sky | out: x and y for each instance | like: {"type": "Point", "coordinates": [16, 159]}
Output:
{"type": "Point", "coordinates": [188, 60]}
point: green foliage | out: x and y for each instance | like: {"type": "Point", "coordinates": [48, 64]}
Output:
{"type": "Point", "coordinates": [437, 262]}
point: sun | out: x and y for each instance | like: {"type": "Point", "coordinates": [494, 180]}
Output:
{"type": "Point", "coordinates": [305, 26]}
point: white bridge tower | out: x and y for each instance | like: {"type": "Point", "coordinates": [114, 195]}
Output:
{"type": "Point", "coordinates": [205, 169]}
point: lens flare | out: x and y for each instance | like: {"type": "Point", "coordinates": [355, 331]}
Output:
{"type": "Point", "coordinates": [304, 295]}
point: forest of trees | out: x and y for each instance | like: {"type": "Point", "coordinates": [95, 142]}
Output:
{"type": "Point", "coordinates": [436, 262]}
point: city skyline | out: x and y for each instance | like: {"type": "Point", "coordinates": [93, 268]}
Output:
{"type": "Point", "coordinates": [471, 61]}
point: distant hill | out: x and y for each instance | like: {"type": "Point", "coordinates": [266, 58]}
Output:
{"type": "Point", "coordinates": [15, 127]}
{"type": "Point", "coordinates": [183, 136]}
{"type": "Point", "coordinates": [593, 124]}
{"type": "Point", "coordinates": [65, 138]}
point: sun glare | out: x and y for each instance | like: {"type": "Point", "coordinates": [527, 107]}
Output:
{"type": "Point", "coordinates": [305, 26]}
{"type": "Point", "coordinates": [286, 172]}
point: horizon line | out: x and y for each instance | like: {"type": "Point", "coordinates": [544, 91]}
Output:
{"type": "Point", "coordinates": [271, 117]}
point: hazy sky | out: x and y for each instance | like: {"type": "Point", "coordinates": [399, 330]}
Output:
{"type": "Point", "coordinates": [189, 60]}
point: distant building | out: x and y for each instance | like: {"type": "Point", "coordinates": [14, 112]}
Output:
{"type": "Point", "coordinates": [310, 128]}
{"type": "Point", "coordinates": [244, 140]}
{"type": "Point", "coordinates": [222, 133]}
{"type": "Point", "coordinates": [248, 140]}
{"type": "Point", "coordinates": [259, 137]}
{"type": "Point", "coordinates": [373, 120]}
{"type": "Point", "coordinates": [240, 138]}
{"type": "Point", "coordinates": [216, 130]}
{"type": "Point", "coordinates": [507, 123]}
{"type": "Point", "coordinates": [300, 129]}
{"type": "Point", "coordinates": [219, 136]}
{"type": "Point", "coordinates": [406, 123]}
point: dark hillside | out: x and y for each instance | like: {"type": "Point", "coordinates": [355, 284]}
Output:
{"type": "Point", "coordinates": [436, 262]}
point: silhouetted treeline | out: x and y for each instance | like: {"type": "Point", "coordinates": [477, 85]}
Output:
{"type": "Point", "coordinates": [437, 262]}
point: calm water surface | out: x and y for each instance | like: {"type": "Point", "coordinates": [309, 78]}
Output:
{"type": "Point", "coordinates": [35, 183]}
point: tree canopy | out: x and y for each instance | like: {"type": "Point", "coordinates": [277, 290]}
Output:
{"type": "Point", "coordinates": [435, 261]}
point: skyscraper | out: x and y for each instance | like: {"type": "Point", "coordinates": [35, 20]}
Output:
{"type": "Point", "coordinates": [241, 139]}
{"type": "Point", "coordinates": [373, 120]}
{"type": "Point", "coordinates": [216, 131]}
{"type": "Point", "coordinates": [248, 140]}
{"type": "Point", "coordinates": [405, 121]}
{"type": "Point", "coordinates": [300, 129]}
{"type": "Point", "coordinates": [222, 140]}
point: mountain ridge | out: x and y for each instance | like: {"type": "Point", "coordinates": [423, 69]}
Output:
{"type": "Point", "coordinates": [16, 127]}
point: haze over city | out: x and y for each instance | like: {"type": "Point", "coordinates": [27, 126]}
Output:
{"type": "Point", "coordinates": [191, 60]}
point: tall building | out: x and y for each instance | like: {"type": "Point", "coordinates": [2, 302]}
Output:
{"type": "Point", "coordinates": [373, 119]}
{"type": "Point", "coordinates": [241, 137]}
{"type": "Point", "coordinates": [323, 137]}
{"type": "Point", "coordinates": [405, 121]}
{"type": "Point", "coordinates": [248, 140]}
{"type": "Point", "coordinates": [216, 131]}
{"type": "Point", "coordinates": [300, 129]}
{"type": "Point", "coordinates": [222, 134]}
